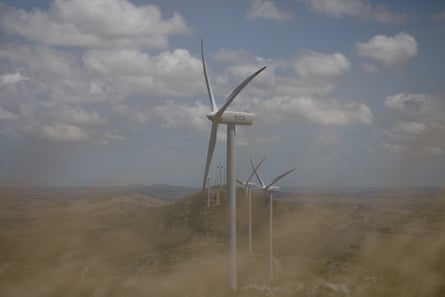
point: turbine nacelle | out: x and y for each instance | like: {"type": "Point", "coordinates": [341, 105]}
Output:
{"type": "Point", "coordinates": [233, 118]}
{"type": "Point", "coordinates": [269, 187]}
{"type": "Point", "coordinates": [273, 189]}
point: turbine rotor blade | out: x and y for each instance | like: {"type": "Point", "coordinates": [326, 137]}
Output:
{"type": "Point", "coordinates": [209, 87]}
{"type": "Point", "coordinates": [256, 174]}
{"type": "Point", "coordinates": [212, 142]}
{"type": "Point", "coordinates": [236, 91]}
{"type": "Point", "coordinates": [253, 172]}
{"type": "Point", "coordinates": [279, 177]}
{"type": "Point", "coordinates": [241, 183]}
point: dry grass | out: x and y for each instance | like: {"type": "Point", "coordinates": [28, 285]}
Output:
{"type": "Point", "coordinates": [391, 244]}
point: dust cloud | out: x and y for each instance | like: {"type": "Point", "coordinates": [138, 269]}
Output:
{"type": "Point", "coordinates": [68, 242]}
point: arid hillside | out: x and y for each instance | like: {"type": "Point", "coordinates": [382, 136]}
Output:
{"type": "Point", "coordinates": [114, 242]}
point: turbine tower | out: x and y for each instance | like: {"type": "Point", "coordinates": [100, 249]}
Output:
{"type": "Point", "coordinates": [270, 188]}
{"type": "Point", "coordinates": [231, 119]}
{"type": "Point", "coordinates": [208, 191]}
{"type": "Point", "coordinates": [220, 169]}
{"type": "Point", "coordinates": [248, 186]}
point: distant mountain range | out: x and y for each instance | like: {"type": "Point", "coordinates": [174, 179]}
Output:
{"type": "Point", "coordinates": [159, 191]}
{"type": "Point", "coordinates": [172, 193]}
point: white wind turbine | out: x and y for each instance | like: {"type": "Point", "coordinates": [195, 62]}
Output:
{"type": "Point", "coordinates": [231, 119]}
{"type": "Point", "coordinates": [248, 186]}
{"type": "Point", "coordinates": [270, 188]}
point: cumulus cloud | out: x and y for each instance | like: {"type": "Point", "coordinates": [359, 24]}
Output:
{"type": "Point", "coordinates": [417, 123]}
{"type": "Point", "coordinates": [393, 51]}
{"type": "Point", "coordinates": [77, 116]}
{"type": "Point", "coordinates": [11, 78]}
{"type": "Point", "coordinates": [184, 116]}
{"type": "Point", "coordinates": [302, 97]}
{"type": "Point", "coordinates": [325, 112]}
{"type": "Point", "coordinates": [84, 94]}
{"type": "Point", "coordinates": [266, 9]}
{"type": "Point", "coordinates": [360, 9]}
{"type": "Point", "coordinates": [56, 74]}
{"type": "Point", "coordinates": [63, 133]}
{"type": "Point", "coordinates": [279, 79]}
{"type": "Point", "coordinates": [318, 65]}
{"type": "Point", "coordinates": [409, 127]}
{"type": "Point", "coordinates": [7, 115]}
{"type": "Point", "coordinates": [65, 82]}
{"type": "Point", "coordinates": [97, 23]}
{"type": "Point", "coordinates": [138, 114]}
{"type": "Point", "coordinates": [133, 71]}
{"type": "Point", "coordinates": [410, 104]}
{"type": "Point", "coordinates": [58, 122]}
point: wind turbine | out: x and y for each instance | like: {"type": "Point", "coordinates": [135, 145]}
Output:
{"type": "Point", "coordinates": [231, 119]}
{"type": "Point", "coordinates": [270, 188]}
{"type": "Point", "coordinates": [248, 186]}
{"type": "Point", "coordinates": [208, 191]}
{"type": "Point", "coordinates": [220, 167]}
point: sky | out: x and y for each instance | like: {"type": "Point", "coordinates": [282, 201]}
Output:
{"type": "Point", "coordinates": [112, 92]}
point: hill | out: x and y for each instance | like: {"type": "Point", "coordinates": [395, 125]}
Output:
{"type": "Point", "coordinates": [124, 242]}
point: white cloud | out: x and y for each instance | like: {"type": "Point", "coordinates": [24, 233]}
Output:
{"type": "Point", "coordinates": [417, 124]}
{"type": "Point", "coordinates": [280, 97]}
{"type": "Point", "coordinates": [77, 116]}
{"type": "Point", "coordinates": [108, 137]}
{"type": "Point", "coordinates": [410, 128]}
{"type": "Point", "coordinates": [410, 104]}
{"type": "Point", "coordinates": [267, 10]}
{"type": "Point", "coordinates": [56, 74]}
{"type": "Point", "coordinates": [361, 9]}
{"type": "Point", "coordinates": [58, 122]}
{"type": "Point", "coordinates": [7, 115]}
{"type": "Point", "coordinates": [180, 116]}
{"type": "Point", "coordinates": [11, 78]}
{"type": "Point", "coordinates": [325, 112]}
{"type": "Point", "coordinates": [135, 72]}
{"type": "Point", "coordinates": [138, 114]}
{"type": "Point", "coordinates": [392, 51]}
{"type": "Point", "coordinates": [63, 133]}
{"type": "Point", "coordinates": [93, 23]}
{"type": "Point", "coordinates": [278, 79]}
{"type": "Point", "coordinates": [315, 65]}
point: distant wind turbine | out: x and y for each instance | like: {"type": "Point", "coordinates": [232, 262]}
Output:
{"type": "Point", "coordinates": [270, 188]}
{"type": "Point", "coordinates": [220, 169]}
{"type": "Point", "coordinates": [248, 186]}
{"type": "Point", "coordinates": [231, 119]}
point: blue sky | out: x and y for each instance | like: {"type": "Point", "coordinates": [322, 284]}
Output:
{"type": "Point", "coordinates": [112, 92]}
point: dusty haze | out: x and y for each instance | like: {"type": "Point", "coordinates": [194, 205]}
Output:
{"type": "Point", "coordinates": [123, 243]}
